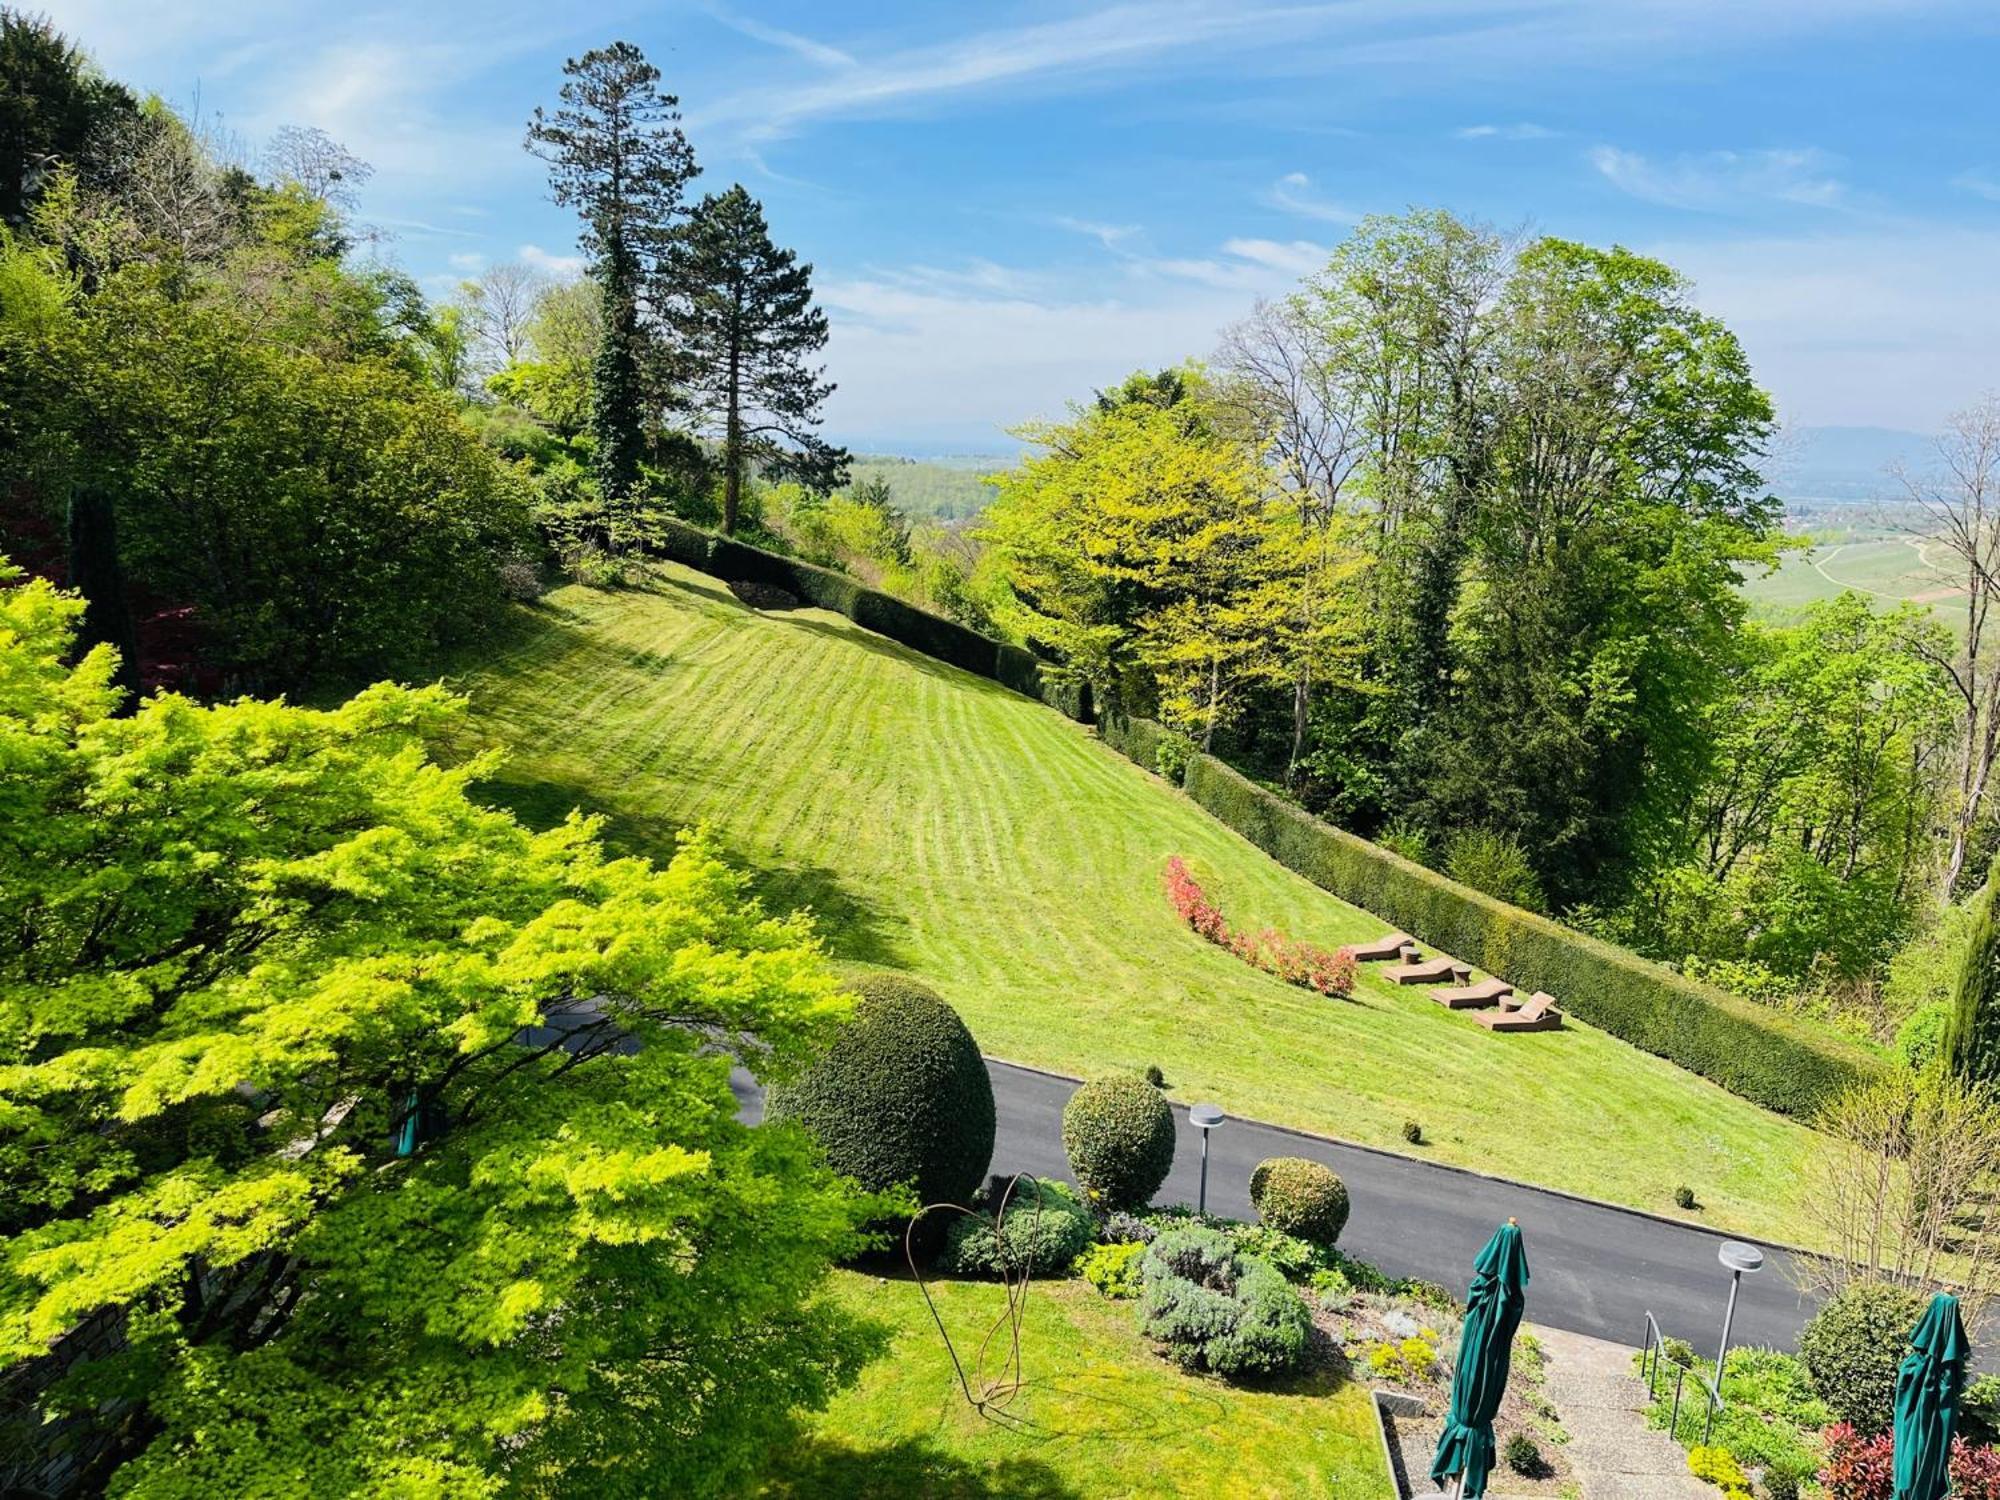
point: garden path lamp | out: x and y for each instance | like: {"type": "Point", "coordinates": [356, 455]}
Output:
{"type": "Point", "coordinates": [1928, 1382]}
{"type": "Point", "coordinates": [1485, 1349]}
{"type": "Point", "coordinates": [1738, 1257]}
{"type": "Point", "coordinates": [1205, 1117]}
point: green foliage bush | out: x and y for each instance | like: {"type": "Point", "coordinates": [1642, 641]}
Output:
{"type": "Point", "coordinates": [1766, 1056]}
{"type": "Point", "coordinates": [1413, 1132]}
{"type": "Point", "coordinates": [1170, 757]}
{"type": "Point", "coordinates": [1979, 1409]}
{"type": "Point", "coordinates": [1684, 1198]}
{"type": "Point", "coordinates": [1300, 1197]}
{"type": "Point", "coordinates": [901, 1097]}
{"type": "Point", "coordinates": [1119, 1133]}
{"type": "Point", "coordinates": [1920, 1039]}
{"type": "Point", "coordinates": [1772, 1411]}
{"type": "Point", "coordinates": [1523, 1457]}
{"type": "Point", "coordinates": [1217, 1309]}
{"type": "Point", "coordinates": [1494, 863]}
{"type": "Point", "coordinates": [1042, 1233]}
{"type": "Point", "coordinates": [1113, 1269]}
{"type": "Point", "coordinates": [1852, 1346]}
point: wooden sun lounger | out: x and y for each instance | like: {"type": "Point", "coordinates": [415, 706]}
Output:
{"type": "Point", "coordinates": [1435, 972]}
{"type": "Point", "coordinates": [1390, 946]}
{"type": "Point", "coordinates": [1472, 996]}
{"type": "Point", "coordinates": [1540, 1014]}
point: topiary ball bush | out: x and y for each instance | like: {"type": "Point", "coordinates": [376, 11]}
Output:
{"type": "Point", "coordinates": [1852, 1346]}
{"type": "Point", "coordinates": [1119, 1133]}
{"type": "Point", "coordinates": [900, 1097]}
{"type": "Point", "coordinates": [1044, 1230]}
{"type": "Point", "coordinates": [1305, 1198]}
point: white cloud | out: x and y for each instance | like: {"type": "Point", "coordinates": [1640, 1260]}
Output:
{"type": "Point", "coordinates": [1980, 184]}
{"type": "Point", "coordinates": [1523, 130]}
{"type": "Point", "coordinates": [1294, 194]}
{"type": "Point", "coordinates": [1293, 257]}
{"type": "Point", "coordinates": [789, 41]}
{"type": "Point", "coordinates": [1722, 180]}
{"type": "Point", "coordinates": [537, 258]}
{"type": "Point", "coordinates": [1110, 236]}
{"type": "Point", "coordinates": [471, 262]}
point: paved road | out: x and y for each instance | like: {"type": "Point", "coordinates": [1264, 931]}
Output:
{"type": "Point", "coordinates": [1592, 1270]}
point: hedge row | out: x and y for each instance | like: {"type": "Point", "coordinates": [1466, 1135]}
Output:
{"type": "Point", "coordinates": [933, 635]}
{"type": "Point", "coordinates": [1765, 1055]}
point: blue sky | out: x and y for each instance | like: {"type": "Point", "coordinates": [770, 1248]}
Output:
{"type": "Point", "coordinates": [1008, 205]}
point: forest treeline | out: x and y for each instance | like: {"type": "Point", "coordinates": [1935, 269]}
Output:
{"type": "Point", "coordinates": [1446, 544]}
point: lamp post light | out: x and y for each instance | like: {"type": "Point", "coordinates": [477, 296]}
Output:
{"type": "Point", "coordinates": [1205, 1117]}
{"type": "Point", "coordinates": [1738, 1257]}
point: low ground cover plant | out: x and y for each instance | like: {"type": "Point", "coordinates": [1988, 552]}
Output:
{"type": "Point", "coordinates": [1330, 972]}
{"type": "Point", "coordinates": [1044, 1228]}
{"type": "Point", "coordinates": [1772, 1416]}
{"type": "Point", "coordinates": [1113, 1269]}
{"type": "Point", "coordinates": [1214, 1308]}
{"type": "Point", "coordinates": [1715, 1465]}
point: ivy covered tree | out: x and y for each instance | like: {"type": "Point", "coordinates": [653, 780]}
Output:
{"type": "Point", "coordinates": [56, 109]}
{"type": "Point", "coordinates": [1972, 1027]}
{"type": "Point", "coordinates": [740, 314]}
{"type": "Point", "coordinates": [395, 1141]}
{"type": "Point", "coordinates": [616, 154]}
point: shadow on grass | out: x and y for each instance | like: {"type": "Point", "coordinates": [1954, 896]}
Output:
{"type": "Point", "coordinates": [855, 929]}
{"type": "Point", "coordinates": [913, 1469]}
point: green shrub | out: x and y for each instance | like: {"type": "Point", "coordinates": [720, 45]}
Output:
{"type": "Point", "coordinates": [1715, 1466]}
{"type": "Point", "coordinates": [1069, 696]}
{"type": "Point", "coordinates": [1979, 1409]}
{"type": "Point", "coordinates": [1301, 1197]}
{"type": "Point", "coordinates": [1523, 1457]}
{"type": "Point", "coordinates": [1678, 1352]}
{"type": "Point", "coordinates": [1785, 1481]}
{"type": "Point", "coordinates": [1293, 1258]}
{"type": "Point", "coordinates": [901, 1096]}
{"type": "Point", "coordinates": [1920, 1039]}
{"type": "Point", "coordinates": [1043, 1232]}
{"type": "Point", "coordinates": [1767, 1056]}
{"type": "Point", "coordinates": [1494, 863]}
{"type": "Point", "coordinates": [1113, 1269]}
{"type": "Point", "coordinates": [1684, 1197]}
{"type": "Point", "coordinates": [1119, 1133]}
{"type": "Point", "coordinates": [1155, 1077]}
{"type": "Point", "coordinates": [1171, 757]}
{"type": "Point", "coordinates": [1852, 1346]}
{"type": "Point", "coordinates": [684, 544]}
{"type": "Point", "coordinates": [1216, 1309]}
{"type": "Point", "coordinates": [1413, 1132]}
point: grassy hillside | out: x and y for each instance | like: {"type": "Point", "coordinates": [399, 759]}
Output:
{"type": "Point", "coordinates": [939, 823]}
{"type": "Point", "coordinates": [1888, 570]}
{"type": "Point", "coordinates": [1102, 1414]}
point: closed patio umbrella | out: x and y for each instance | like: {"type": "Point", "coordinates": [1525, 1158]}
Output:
{"type": "Point", "coordinates": [1927, 1385]}
{"type": "Point", "coordinates": [1485, 1348]}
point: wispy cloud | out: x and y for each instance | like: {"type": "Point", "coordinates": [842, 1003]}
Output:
{"type": "Point", "coordinates": [1521, 130]}
{"type": "Point", "coordinates": [1294, 193]}
{"type": "Point", "coordinates": [789, 41]}
{"type": "Point", "coordinates": [1253, 267]}
{"type": "Point", "coordinates": [1979, 184]}
{"type": "Point", "coordinates": [554, 265]}
{"type": "Point", "coordinates": [471, 262]}
{"type": "Point", "coordinates": [1110, 236]}
{"type": "Point", "coordinates": [1723, 180]}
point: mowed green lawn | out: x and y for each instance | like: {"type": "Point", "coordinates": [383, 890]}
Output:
{"type": "Point", "coordinates": [938, 823]}
{"type": "Point", "coordinates": [1099, 1414]}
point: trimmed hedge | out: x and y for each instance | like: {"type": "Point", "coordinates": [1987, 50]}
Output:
{"type": "Point", "coordinates": [1300, 1197]}
{"type": "Point", "coordinates": [1119, 1135]}
{"type": "Point", "coordinates": [1766, 1056]}
{"type": "Point", "coordinates": [901, 1096]}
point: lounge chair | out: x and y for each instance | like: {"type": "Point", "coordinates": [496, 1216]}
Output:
{"type": "Point", "coordinates": [1540, 1013]}
{"type": "Point", "coordinates": [1382, 948]}
{"type": "Point", "coordinates": [1473, 996]}
{"type": "Point", "coordinates": [1437, 971]}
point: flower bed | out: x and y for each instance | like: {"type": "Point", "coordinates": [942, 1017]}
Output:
{"type": "Point", "coordinates": [1304, 964]}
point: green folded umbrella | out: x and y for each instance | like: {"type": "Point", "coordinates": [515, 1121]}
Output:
{"type": "Point", "coordinates": [1927, 1385]}
{"type": "Point", "coordinates": [1492, 1313]}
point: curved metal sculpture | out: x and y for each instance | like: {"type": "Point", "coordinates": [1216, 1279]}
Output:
{"type": "Point", "coordinates": [989, 1395]}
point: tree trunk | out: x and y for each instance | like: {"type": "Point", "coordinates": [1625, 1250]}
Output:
{"type": "Point", "coordinates": [732, 441]}
{"type": "Point", "coordinates": [95, 573]}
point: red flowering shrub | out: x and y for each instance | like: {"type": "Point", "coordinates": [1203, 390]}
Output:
{"type": "Point", "coordinates": [1858, 1468]}
{"type": "Point", "coordinates": [1975, 1472]}
{"type": "Point", "coordinates": [1303, 964]}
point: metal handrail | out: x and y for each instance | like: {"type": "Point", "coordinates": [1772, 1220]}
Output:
{"type": "Point", "coordinates": [1650, 1359]}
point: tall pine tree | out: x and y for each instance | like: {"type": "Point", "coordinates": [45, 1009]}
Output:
{"type": "Point", "coordinates": [741, 315]}
{"type": "Point", "coordinates": [616, 154]}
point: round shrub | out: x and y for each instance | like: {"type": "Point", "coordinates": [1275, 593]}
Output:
{"type": "Point", "coordinates": [1215, 1309]}
{"type": "Point", "coordinates": [1043, 1232]}
{"type": "Point", "coordinates": [1119, 1134]}
{"type": "Point", "coordinates": [1523, 1457]}
{"type": "Point", "coordinates": [1920, 1038]}
{"type": "Point", "coordinates": [900, 1097]}
{"type": "Point", "coordinates": [1852, 1346]}
{"type": "Point", "coordinates": [1413, 1132]}
{"type": "Point", "coordinates": [1684, 1197]}
{"type": "Point", "coordinates": [1300, 1197]}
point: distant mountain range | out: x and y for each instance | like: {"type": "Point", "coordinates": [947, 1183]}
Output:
{"type": "Point", "coordinates": [1844, 463]}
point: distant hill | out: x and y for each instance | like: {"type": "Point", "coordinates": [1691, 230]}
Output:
{"type": "Point", "coordinates": [1844, 463]}
{"type": "Point", "coordinates": [947, 488]}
